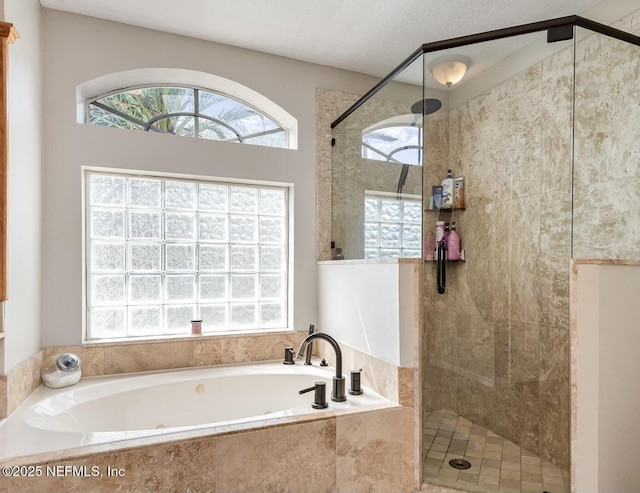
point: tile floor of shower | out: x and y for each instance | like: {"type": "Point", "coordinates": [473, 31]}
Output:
{"type": "Point", "coordinates": [497, 464]}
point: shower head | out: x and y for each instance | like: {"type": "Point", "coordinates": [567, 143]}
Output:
{"type": "Point", "coordinates": [426, 106]}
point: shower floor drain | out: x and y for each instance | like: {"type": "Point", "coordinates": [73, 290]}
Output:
{"type": "Point", "coordinates": [459, 464]}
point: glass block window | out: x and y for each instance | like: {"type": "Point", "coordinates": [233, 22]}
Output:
{"type": "Point", "coordinates": [392, 226]}
{"type": "Point", "coordinates": [186, 111]}
{"type": "Point", "coordinates": [393, 143]}
{"type": "Point", "coordinates": [163, 251]}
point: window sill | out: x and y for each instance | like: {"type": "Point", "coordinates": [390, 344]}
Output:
{"type": "Point", "coordinates": [183, 337]}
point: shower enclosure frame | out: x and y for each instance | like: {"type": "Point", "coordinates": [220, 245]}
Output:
{"type": "Point", "coordinates": [568, 21]}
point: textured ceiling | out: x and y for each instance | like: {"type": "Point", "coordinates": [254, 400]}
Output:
{"type": "Point", "coordinates": [367, 36]}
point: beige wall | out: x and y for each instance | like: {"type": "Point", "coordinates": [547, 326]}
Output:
{"type": "Point", "coordinates": [605, 380]}
{"type": "Point", "coordinates": [80, 48]}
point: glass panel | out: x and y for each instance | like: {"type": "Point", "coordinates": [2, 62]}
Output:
{"type": "Point", "coordinates": [107, 323]}
{"type": "Point", "coordinates": [243, 315]}
{"type": "Point", "coordinates": [107, 224]}
{"type": "Point", "coordinates": [178, 318]}
{"type": "Point", "coordinates": [213, 198]}
{"type": "Point", "coordinates": [103, 118]}
{"type": "Point", "coordinates": [147, 102]}
{"type": "Point", "coordinates": [107, 256]}
{"type": "Point", "coordinates": [107, 190]}
{"type": "Point", "coordinates": [145, 320]}
{"type": "Point", "coordinates": [213, 287]}
{"type": "Point", "coordinates": [179, 195]}
{"type": "Point", "coordinates": [378, 150]}
{"type": "Point", "coordinates": [243, 200]}
{"type": "Point", "coordinates": [213, 257]}
{"type": "Point", "coordinates": [176, 125]}
{"type": "Point", "coordinates": [214, 317]}
{"type": "Point", "coordinates": [272, 314]}
{"type": "Point", "coordinates": [243, 286]}
{"type": "Point", "coordinates": [506, 130]}
{"type": "Point", "coordinates": [243, 228]}
{"type": "Point", "coordinates": [144, 225]}
{"type": "Point", "coordinates": [145, 257]}
{"type": "Point", "coordinates": [272, 202]}
{"type": "Point", "coordinates": [278, 139]}
{"type": "Point", "coordinates": [215, 131]}
{"type": "Point", "coordinates": [180, 257]}
{"type": "Point", "coordinates": [180, 288]}
{"type": "Point", "coordinates": [179, 226]}
{"type": "Point", "coordinates": [107, 290]}
{"type": "Point", "coordinates": [243, 258]}
{"type": "Point", "coordinates": [242, 118]}
{"type": "Point", "coordinates": [145, 289]}
{"type": "Point", "coordinates": [214, 227]}
{"type": "Point", "coordinates": [144, 193]}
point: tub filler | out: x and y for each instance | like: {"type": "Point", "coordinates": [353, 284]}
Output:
{"type": "Point", "coordinates": [170, 405]}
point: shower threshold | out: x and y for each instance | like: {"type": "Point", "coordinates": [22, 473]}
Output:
{"type": "Point", "coordinates": [497, 464]}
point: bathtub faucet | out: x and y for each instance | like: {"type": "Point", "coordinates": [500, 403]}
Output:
{"type": "Point", "coordinates": [337, 391]}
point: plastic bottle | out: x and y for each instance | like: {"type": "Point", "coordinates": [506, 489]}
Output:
{"type": "Point", "coordinates": [439, 231]}
{"type": "Point", "coordinates": [448, 190]}
{"type": "Point", "coordinates": [430, 247]}
{"type": "Point", "coordinates": [453, 246]}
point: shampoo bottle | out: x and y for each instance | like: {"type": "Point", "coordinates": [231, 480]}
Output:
{"type": "Point", "coordinates": [430, 247]}
{"type": "Point", "coordinates": [453, 246]}
{"type": "Point", "coordinates": [448, 190]}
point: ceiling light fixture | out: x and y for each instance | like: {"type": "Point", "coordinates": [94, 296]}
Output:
{"type": "Point", "coordinates": [451, 70]}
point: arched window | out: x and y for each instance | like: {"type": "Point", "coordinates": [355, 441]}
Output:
{"type": "Point", "coordinates": [394, 142]}
{"type": "Point", "coordinates": [186, 111]}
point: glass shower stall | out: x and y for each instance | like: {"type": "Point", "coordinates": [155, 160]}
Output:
{"type": "Point", "coordinates": [538, 128]}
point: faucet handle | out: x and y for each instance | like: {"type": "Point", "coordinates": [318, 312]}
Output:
{"type": "Point", "coordinates": [356, 388]}
{"type": "Point", "coordinates": [320, 396]}
{"type": "Point", "coordinates": [288, 356]}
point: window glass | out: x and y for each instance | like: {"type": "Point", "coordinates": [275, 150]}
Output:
{"type": "Point", "coordinates": [392, 226]}
{"type": "Point", "coordinates": [162, 252]}
{"type": "Point", "coordinates": [187, 112]}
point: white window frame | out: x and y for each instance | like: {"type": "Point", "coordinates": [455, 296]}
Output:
{"type": "Point", "coordinates": [287, 299]}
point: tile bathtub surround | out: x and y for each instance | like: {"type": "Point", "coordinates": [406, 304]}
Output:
{"type": "Point", "coordinates": [356, 453]}
{"type": "Point", "coordinates": [19, 383]}
{"type": "Point", "coordinates": [107, 359]}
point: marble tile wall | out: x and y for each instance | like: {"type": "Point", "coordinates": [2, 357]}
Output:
{"type": "Point", "coordinates": [352, 453]}
{"type": "Point", "coordinates": [607, 150]}
{"type": "Point", "coordinates": [19, 383]}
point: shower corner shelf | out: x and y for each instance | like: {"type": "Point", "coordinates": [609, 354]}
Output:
{"type": "Point", "coordinates": [461, 259]}
{"type": "Point", "coordinates": [446, 209]}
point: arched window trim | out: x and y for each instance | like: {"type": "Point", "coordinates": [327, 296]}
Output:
{"type": "Point", "coordinates": [116, 82]}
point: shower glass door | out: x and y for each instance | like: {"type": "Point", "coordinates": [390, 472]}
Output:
{"type": "Point", "coordinates": [495, 338]}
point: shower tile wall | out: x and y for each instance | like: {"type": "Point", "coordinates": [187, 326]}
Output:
{"type": "Point", "coordinates": [496, 344]}
{"type": "Point", "coordinates": [607, 163]}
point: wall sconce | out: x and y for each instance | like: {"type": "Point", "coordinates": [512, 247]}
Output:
{"type": "Point", "coordinates": [451, 70]}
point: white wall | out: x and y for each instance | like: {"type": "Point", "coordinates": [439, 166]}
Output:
{"type": "Point", "coordinates": [78, 49]}
{"type": "Point", "coordinates": [370, 306]}
{"type": "Point", "coordinates": [22, 310]}
{"type": "Point", "coordinates": [606, 445]}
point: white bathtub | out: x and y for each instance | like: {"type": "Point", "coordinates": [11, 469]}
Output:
{"type": "Point", "coordinates": [151, 404]}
